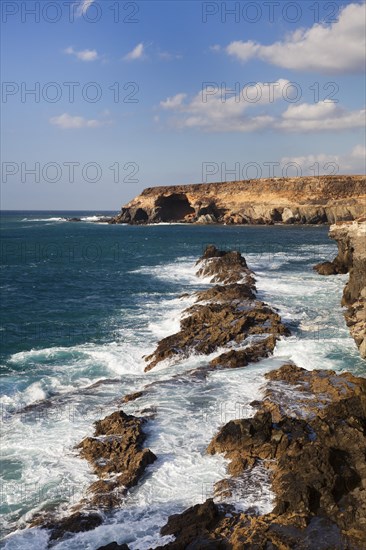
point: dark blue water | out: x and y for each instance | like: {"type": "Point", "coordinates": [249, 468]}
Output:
{"type": "Point", "coordinates": [83, 302]}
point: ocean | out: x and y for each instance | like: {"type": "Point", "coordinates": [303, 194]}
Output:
{"type": "Point", "coordinates": [82, 303]}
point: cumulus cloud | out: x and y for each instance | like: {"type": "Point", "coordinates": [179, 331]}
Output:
{"type": "Point", "coordinates": [322, 163]}
{"type": "Point", "coordinates": [336, 48]}
{"type": "Point", "coordinates": [217, 110]}
{"type": "Point", "coordinates": [136, 53]}
{"type": "Point", "coordinates": [321, 116]}
{"type": "Point", "coordinates": [67, 122]}
{"type": "Point", "coordinates": [83, 55]}
{"type": "Point", "coordinates": [173, 102]}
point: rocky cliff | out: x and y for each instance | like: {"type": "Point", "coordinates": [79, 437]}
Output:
{"type": "Point", "coordinates": [351, 240]}
{"type": "Point", "coordinates": [312, 200]}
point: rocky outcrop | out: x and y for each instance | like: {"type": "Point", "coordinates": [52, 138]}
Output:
{"type": "Point", "coordinates": [78, 522]}
{"type": "Point", "coordinates": [224, 315]}
{"type": "Point", "coordinates": [117, 456]}
{"type": "Point", "coordinates": [309, 431]}
{"type": "Point", "coordinates": [351, 258]}
{"type": "Point", "coordinates": [119, 459]}
{"type": "Point", "coordinates": [311, 200]}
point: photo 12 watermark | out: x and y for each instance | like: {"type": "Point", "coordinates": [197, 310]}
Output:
{"type": "Point", "coordinates": [70, 171]}
{"type": "Point", "coordinates": [271, 11]}
{"type": "Point", "coordinates": [212, 171]}
{"type": "Point", "coordinates": [70, 11]}
{"type": "Point", "coordinates": [268, 92]}
{"type": "Point", "coordinates": [69, 92]}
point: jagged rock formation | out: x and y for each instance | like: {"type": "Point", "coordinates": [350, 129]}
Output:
{"type": "Point", "coordinates": [118, 457]}
{"type": "Point", "coordinates": [312, 200]}
{"type": "Point", "coordinates": [310, 432]}
{"type": "Point", "coordinates": [351, 240]}
{"type": "Point", "coordinates": [222, 315]}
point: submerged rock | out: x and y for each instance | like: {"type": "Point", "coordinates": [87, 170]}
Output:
{"type": "Point", "coordinates": [113, 546]}
{"type": "Point", "coordinates": [132, 396]}
{"type": "Point", "coordinates": [77, 522]}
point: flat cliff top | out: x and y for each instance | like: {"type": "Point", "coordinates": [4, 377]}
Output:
{"type": "Point", "coordinates": [299, 190]}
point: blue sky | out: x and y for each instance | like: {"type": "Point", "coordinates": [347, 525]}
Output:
{"type": "Point", "coordinates": [296, 70]}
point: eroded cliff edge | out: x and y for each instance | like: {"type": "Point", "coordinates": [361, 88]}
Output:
{"type": "Point", "coordinates": [311, 200]}
{"type": "Point", "coordinates": [351, 258]}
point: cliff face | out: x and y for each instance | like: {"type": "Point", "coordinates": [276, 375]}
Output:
{"type": "Point", "coordinates": [324, 199]}
{"type": "Point", "coordinates": [351, 240]}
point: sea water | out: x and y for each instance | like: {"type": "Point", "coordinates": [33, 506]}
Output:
{"type": "Point", "coordinates": [82, 304]}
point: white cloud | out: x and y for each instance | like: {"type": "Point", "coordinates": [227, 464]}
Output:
{"type": "Point", "coordinates": [173, 102]}
{"type": "Point", "coordinates": [82, 7]}
{"type": "Point", "coordinates": [322, 163]}
{"type": "Point", "coordinates": [136, 53]}
{"type": "Point", "coordinates": [67, 122]}
{"type": "Point", "coordinates": [320, 116]}
{"type": "Point", "coordinates": [83, 55]}
{"type": "Point", "coordinates": [243, 50]}
{"type": "Point", "coordinates": [312, 164]}
{"type": "Point", "coordinates": [336, 48]}
{"type": "Point", "coordinates": [359, 152]}
{"type": "Point", "coordinates": [216, 110]}
{"type": "Point", "coordinates": [220, 111]}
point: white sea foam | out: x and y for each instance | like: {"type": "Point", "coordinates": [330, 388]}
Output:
{"type": "Point", "coordinates": [190, 409]}
{"type": "Point", "coordinates": [43, 219]}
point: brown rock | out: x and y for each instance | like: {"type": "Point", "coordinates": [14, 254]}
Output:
{"type": "Point", "coordinates": [330, 268]}
{"type": "Point", "coordinates": [223, 314]}
{"type": "Point", "coordinates": [225, 267]}
{"type": "Point", "coordinates": [320, 199]}
{"type": "Point", "coordinates": [309, 430]}
{"type": "Point", "coordinates": [76, 523]}
{"type": "Point", "coordinates": [251, 354]}
{"type": "Point", "coordinates": [117, 449]}
{"type": "Point", "coordinates": [132, 396]}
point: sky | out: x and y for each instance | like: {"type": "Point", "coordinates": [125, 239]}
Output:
{"type": "Point", "coordinates": [101, 99]}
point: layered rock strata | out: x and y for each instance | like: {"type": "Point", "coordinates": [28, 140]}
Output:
{"type": "Point", "coordinates": [310, 200]}
{"type": "Point", "coordinates": [351, 258]}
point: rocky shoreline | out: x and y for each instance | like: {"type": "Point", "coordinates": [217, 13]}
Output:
{"type": "Point", "coordinates": [351, 258]}
{"type": "Point", "coordinates": [305, 200]}
{"type": "Point", "coordinates": [308, 433]}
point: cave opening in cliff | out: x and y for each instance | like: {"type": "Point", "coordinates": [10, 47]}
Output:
{"type": "Point", "coordinates": [141, 215]}
{"type": "Point", "coordinates": [174, 207]}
